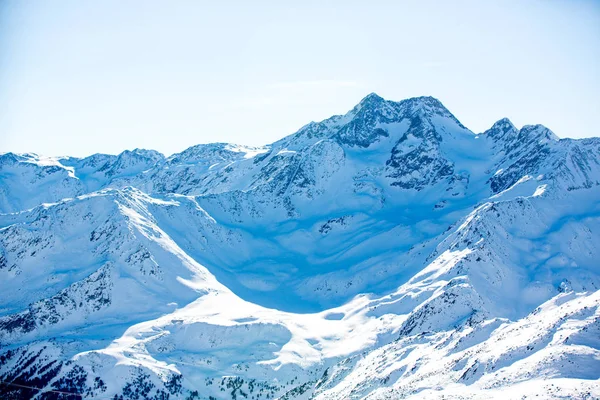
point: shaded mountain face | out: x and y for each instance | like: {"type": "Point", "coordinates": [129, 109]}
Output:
{"type": "Point", "coordinates": [385, 253]}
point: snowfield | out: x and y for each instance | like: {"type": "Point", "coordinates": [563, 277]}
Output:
{"type": "Point", "coordinates": [386, 253]}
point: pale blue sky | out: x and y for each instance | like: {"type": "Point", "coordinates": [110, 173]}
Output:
{"type": "Point", "coordinates": [80, 77]}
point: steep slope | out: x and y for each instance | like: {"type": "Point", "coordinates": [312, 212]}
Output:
{"type": "Point", "coordinates": [385, 253]}
{"type": "Point", "coordinates": [99, 257]}
{"type": "Point", "coordinates": [551, 353]}
{"type": "Point", "coordinates": [475, 326]}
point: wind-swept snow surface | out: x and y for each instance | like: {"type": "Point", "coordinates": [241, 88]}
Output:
{"type": "Point", "coordinates": [385, 253]}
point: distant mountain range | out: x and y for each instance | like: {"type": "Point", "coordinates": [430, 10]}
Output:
{"type": "Point", "coordinates": [386, 253]}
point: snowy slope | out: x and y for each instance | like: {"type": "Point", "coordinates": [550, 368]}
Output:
{"type": "Point", "coordinates": [385, 253]}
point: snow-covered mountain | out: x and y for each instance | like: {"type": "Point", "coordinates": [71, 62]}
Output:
{"type": "Point", "coordinates": [386, 253]}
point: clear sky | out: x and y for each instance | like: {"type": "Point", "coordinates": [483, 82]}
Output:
{"type": "Point", "coordinates": [80, 77]}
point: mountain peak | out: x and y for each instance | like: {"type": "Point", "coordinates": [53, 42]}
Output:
{"type": "Point", "coordinates": [428, 104]}
{"type": "Point", "coordinates": [372, 98]}
{"type": "Point", "coordinates": [425, 100]}
{"type": "Point", "coordinates": [503, 122]}
{"type": "Point", "coordinates": [142, 153]}
{"type": "Point", "coordinates": [501, 129]}
{"type": "Point", "coordinates": [372, 101]}
{"type": "Point", "coordinates": [539, 131]}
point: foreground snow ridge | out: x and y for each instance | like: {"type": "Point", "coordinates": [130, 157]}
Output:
{"type": "Point", "coordinates": [386, 253]}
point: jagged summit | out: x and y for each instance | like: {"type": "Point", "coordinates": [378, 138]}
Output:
{"type": "Point", "coordinates": [371, 98]}
{"type": "Point", "coordinates": [502, 130]}
{"type": "Point", "coordinates": [502, 125]}
{"type": "Point", "coordinates": [539, 131]}
{"type": "Point", "coordinates": [427, 101]}
{"type": "Point", "coordinates": [368, 121]}
{"type": "Point", "coordinates": [374, 102]}
{"type": "Point", "coordinates": [375, 99]}
{"type": "Point", "coordinates": [370, 102]}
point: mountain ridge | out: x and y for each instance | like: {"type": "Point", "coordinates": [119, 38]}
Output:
{"type": "Point", "coordinates": [336, 262]}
